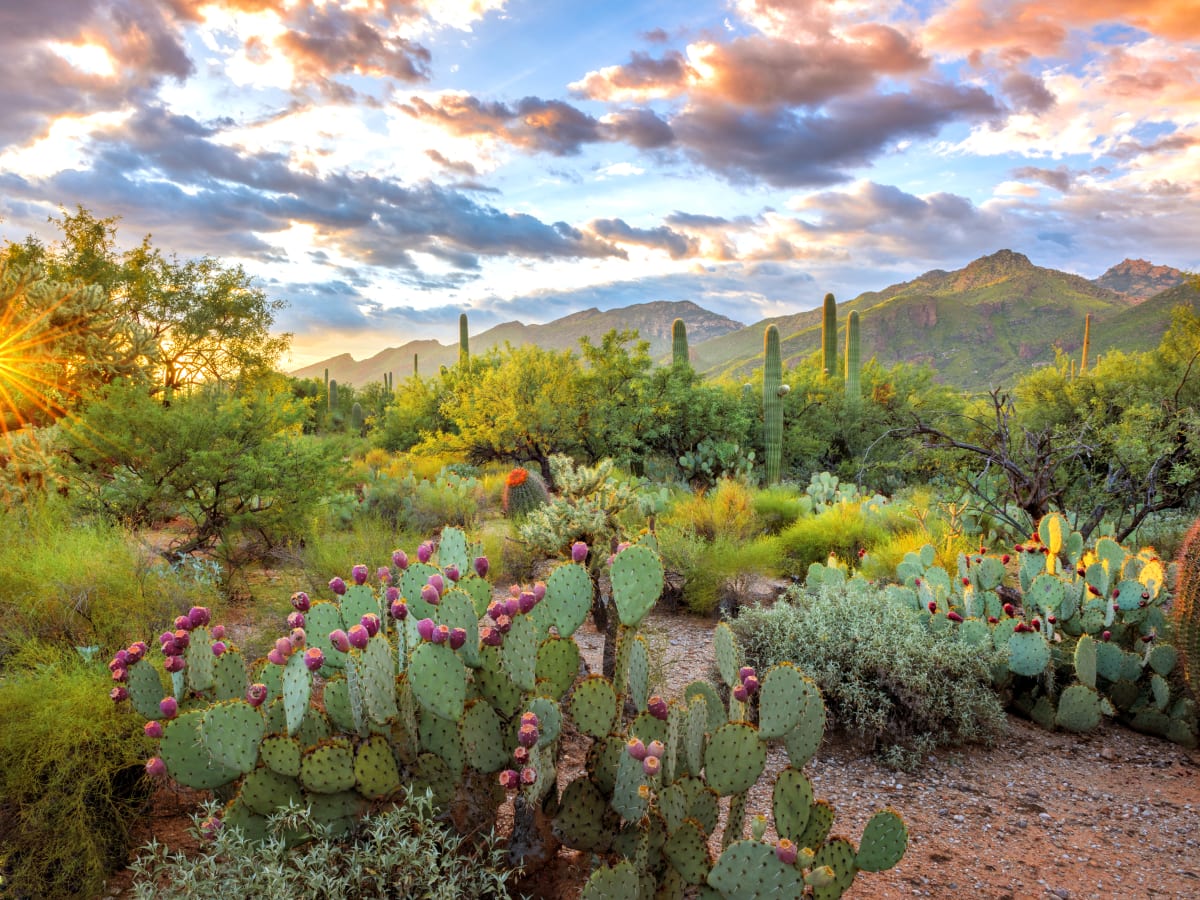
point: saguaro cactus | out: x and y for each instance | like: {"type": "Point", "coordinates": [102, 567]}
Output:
{"type": "Point", "coordinates": [829, 336]}
{"type": "Point", "coordinates": [853, 359]}
{"type": "Point", "coordinates": [679, 343]}
{"type": "Point", "coordinates": [1087, 334]}
{"type": "Point", "coordinates": [464, 351]}
{"type": "Point", "coordinates": [1187, 608]}
{"type": "Point", "coordinates": [416, 369]}
{"type": "Point", "coordinates": [333, 395]}
{"type": "Point", "coordinates": [772, 402]}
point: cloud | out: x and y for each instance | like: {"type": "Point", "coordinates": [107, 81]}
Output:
{"type": "Point", "coordinates": [643, 77]}
{"type": "Point", "coordinates": [1059, 178]}
{"type": "Point", "coordinates": [675, 244]}
{"type": "Point", "coordinates": [1027, 93]}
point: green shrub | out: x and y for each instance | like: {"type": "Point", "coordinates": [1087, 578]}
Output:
{"type": "Point", "coordinates": [725, 510]}
{"type": "Point", "coordinates": [779, 506]}
{"type": "Point", "coordinates": [842, 530]}
{"type": "Point", "coordinates": [71, 775]}
{"type": "Point", "coordinates": [401, 852]}
{"type": "Point", "coordinates": [886, 679]}
{"type": "Point", "coordinates": [715, 570]}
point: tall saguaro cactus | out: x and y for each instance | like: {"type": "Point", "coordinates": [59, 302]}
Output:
{"type": "Point", "coordinates": [853, 358]}
{"type": "Point", "coordinates": [772, 402]}
{"type": "Point", "coordinates": [1186, 608]}
{"type": "Point", "coordinates": [464, 351]}
{"type": "Point", "coordinates": [829, 336]}
{"type": "Point", "coordinates": [1087, 335]}
{"type": "Point", "coordinates": [679, 343]}
{"type": "Point", "coordinates": [416, 369]}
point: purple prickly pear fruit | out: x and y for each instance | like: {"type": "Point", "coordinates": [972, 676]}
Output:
{"type": "Point", "coordinates": [174, 664]}
{"type": "Point", "coordinates": [121, 657]}
{"type": "Point", "coordinates": [452, 573]}
{"type": "Point", "coordinates": [219, 647]}
{"type": "Point", "coordinates": [1009, 609]}
{"type": "Point", "coordinates": [514, 590]}
{"type": "Point", "coordinates": [337, 585]}
{"type": "Point", "coordinates": [295, 620]}
{"type": "Point", "coordinates": [370, 621]}
{"type": "Point", "coordinates": [183, 623]}
{"type": "Point", "coordinates": [392, 594]}
{"type": "Point", "coordinates": [399, 610]}
{"type": "Point", "coordinates": [359, 636]}
{"type": "Point", "coordinates": [1052, 619]}
{"type": "Point", "coordinates": [745, 672]}
{"type": "Point", "coordinates": [137, 651]}
{"type": "Point", "coordinates": [651, 765]}
{"type": "Point", "coordinates": [530, 718]}
{"type": "Point", "coordinates": [512, 606]}
{"type": "Point", "coordinates": [509, 779]}
{"type": "Point", "coordinates": [153, 729]}
{"type": "Point", "coordinates": [932, 605]}
{"type": "Point", "coordinates": [992, 620]}
{"type": "Point", "coordinates": [953, 616]}
{"type": "Point", "coordinates": [314, 658]}
{"type": "Point", "coordinates": [218, 632]}
{"type": "Point", "coordinates": [458, 637]}
{"type": "Point", "coordinates": [579, 551]}
{"type": "Point", "coordinates": [300, 602]}
{"type": "Point", "coordinates": [199, 616]}
{"type": "Point", "coordinates": [430, 595]}
{"type": "Point", "coordinates": [426, 628]}
{"type": "Point", "coordinates": [504, 623]}
{"type": "Point", "coordinates": [491, 636]}
{"type": "Point", "coordinates": [168, 707]}
{"type": "Point", "coordinates": [528, 775]}
{"type": "Point", "coordinates": [383, 574]}
{"type": "Point", "coordinates": [277, 658]}
{"type": "Point", "coordinates": [657, 707]}
{"type": "Point", "coordinates": [526, 602]}
{"type": "Point", "coordinates": [656, 748]}
{"type": "Point", "coordinates": [539, 591]}
{"type": "Point", "coordinates": [211, 827]}
{"type": "Point", "coordinates": [340, 640]}
{"type": "Point", "coordinates": [527, 735]}
{"type": "Point", "coordinates": [166, 637]}
{"type": "Point", "coordinates": [115, 663]}
{"type": "Point", "coordinates": [155, 767]}
{"type": "Point", "coordinates": [183, 637]}
{"type": "Point", "coordinates": [741, 694]}
{"type": "Point", "coordinates": [359, 573]}
{"type": "Point", "coordinates": [785, 852]}
{"type": "Point", "coordinates": [256, 694]}
{"type": "Point", "coordinates": [521, 755]}
{"type": "Point", "coordinates": [119, 693]}
{"type": "Point", "coordinates": [1106, 636]}
{"type": "Point", "coordinates": [400, 559]}
{"type": "Point", "coordinates": [495, 610]}
{"type": "Point", "coordinates": [120, 673]}
{"type": "Point", "coordinates": [425, 552]}
{"type": "Point", "coordinates": [1035, 623]}
{"type": "Point", "coordinates": [441, 634]}
{"type": "Point", "coordinates": [438, 582]}
{"type": "Point", "coordinates": [635, 748]}
{"type": "Point", "coordinates": [751, 684]}
{"type": "Point", "coordinates": [285, 647]}
{"type": "Point", "coordinates": [481, 566]}
{"type": "Point", "coordinates": [297, 638]}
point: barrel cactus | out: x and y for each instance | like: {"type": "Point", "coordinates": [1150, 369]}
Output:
{"type": "Point", "coordinates": [524, 491]}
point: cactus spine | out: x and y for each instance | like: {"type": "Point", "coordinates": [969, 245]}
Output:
{"type": "Point", "coordinates": [829, 336]}
{"type": "Point", "coordinates": [464, 351]}
{"type": "Point", "coordinates": [772, 403]}
{"type": "Point", "coordinates": [1187, 608]}
{"type": "Point", "coordinates": [1087, 335]}
{"type": "Point", "coordinates": [679, 343]}
{"type": "Point", "coordinates": [853, 359]}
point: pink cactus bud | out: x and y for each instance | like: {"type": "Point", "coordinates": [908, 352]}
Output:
{"type": "Point", "coordinates": [512, 606]}
{"type": "Point", "coordinates": [481, 566]}
{"type": "Point", "coordinates": [219, 648]}
{"type": "Point", "coordinates": [183, 637]}
{"type": "Point", "coordinates": [656, 748]}
{"type": "Point", "coordinates": [359, 636]}
{"type": "Point", "coordinates": [199, 616]}
{"type": "Point", "coordinates": [425, 552]}
{"type": "Point", "coordinates": [297, 638]}
{"type": "Point", "coordinates": [210, 828]}
{"type": "Point", "coordinates": [285, 647]}
{"type": "Point", "coordinates": [383, 574]}
{"type": "Point", "coordinates": [1053, 620]}
{"type": "Point", "coordinates": [657, 707]}
{"type": "Point", "coordinates": [651, 765]}
{"type": "Point", "coordinates": [155, 767]}
{"type": "Point", "coordinates": [153, 729]}
{"type": "Point", "coordinates": [359, 573]}
{"type": "Point", "coordinates": [426, 628]}
{"type": "Point", "coordinates": [785, 852]}
{"type": "Point", "coordinates": [119, 693]}
{"type": "Point", "coordinates": [175, 664]}
{"type": "Point", "coordinates": [932, 605]}
{"type": "Point", "coordinates": [168, 707]}
{"type": "Point", "coordinates": [992, 620]}
{"type": "Point", "coordinates": [504, 623]}
{"type": "Point", "coordinates": [340, 640]}
{"type": "Point", "coordinates": [509, 779]}
{"type": "Point", "coordinates": [256, 694]}
{"type": "Point", "coordinates": [579, 551]}
{"type": "Point", "coordinates": [399, 610]}
{"type": "Point", "coordinates": [745, 672]}
{"type": "Point", "coordinates": [430, 595]}
{"type": "Point", "coordinates": [1009, 609]}
{"type": "Point", "coordinates": [276, 658]}
{"type": "Point", "coordinates": [337, 585]}
{"type": "Point", "coordinates": [751, 684]}
{"type": "Point", "coordinates": [526, 603]}
{"type": "Point", "coordinates": [400, 559]}
{"type": "Point", "coordinates": [370, 621]}
{"type": "Point", "coordinates": [953, 616]}
{"type": "Point", "coordinates": [491, 636]}
{"type": "Point", "coordinates": [527, 735]}
{"type": "Point", "coordinates": [183, 623]}
{"type": "Point", "coordinates": [740, 693]}
{"type": "Point", "coordinates": [528, 775]}
{"type": "Point", "coordinates": [966, 581]}
{"type": "Point", "coordinates": [452, 573]}
{"type": "Point", "coordinates": [441, 634]}
{"type": "Point", "coordinates": [438, 583]}
{"type": "Point", "coordinates": [539, 591]}
{"type": "Point", "coordinates": [392, 594]}
{"type": "Point", "coordinates": [521, 755]}
{"type": "Point", "coordinates": [314, 658]}
{"type": "Point", "coordinates": [218, 632]}
{"type": "Point", "coordinates": [1005, 558]}
{"type": "Point", "coordinates": [300, 602]}
{"type": "Point", "coordinates": [295, 620]}
{"type": "Point", "coordinates": [1106, 636]}
{"type": "Point", "coordinates": [458, 637]}
{"type": "Point", "coordinates": [635, 748]}
{"type": "Point", "coordinates": [1035, 623]}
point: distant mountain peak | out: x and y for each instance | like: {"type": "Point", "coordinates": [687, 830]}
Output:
{"type": "Point", "coordinates": [1138, 279]}
{"type": "Point", "coordinates": [998, 266]}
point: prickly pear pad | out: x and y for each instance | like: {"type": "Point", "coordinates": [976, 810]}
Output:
{"type": "Point", "coordinates": [229, 676]}
{"type": "Point", "coordinates": [265, 791]}
{"type": "Point", "coordinates": [358, 600]}
{"type": "Point", "coordinates": [377, 681]}
{"type": "Point", "coordinates": [593, 706]}
{"type": "Point", "coordinates": [329, 767]}
{"type": "Point", "coordinates": [637, 582]}
{"type": "Point", "coordinates": [839, 855]}
{"type": "Point", "coordinates": [232, 732]}
{"type": "Point", "coordinates": [617, 883]}
{"type": "Point", "coordinates": [749, 870]}
{"type": "Point", "coordinates": [580, 822]}
{"type": "Point", "coordinates": [452, 549]}
{"type": "Point", "coordinates": [442, 738]}
{"type": "Point", "coordinates": [281, 754]}
{"type": "Point", "coordinates": [803, 741]}
{"type": "Point", "coordinates": [1078, 708]}
{"type": "Point", "coordinates": [482, 738]}
{"type": "Point", "coordinates": [820, 820]}
{"type": "Point", "coordinates": [557, 665]}
{"type": "Point", "coordinates": [883, 842]}
{"type": "Point", "coordinates": [729, 657]}
{"type": "Point", "coordinates": [479, 591]}
{"type": "Point", "coordinates": [494, 684]}
{"type": "Point", "coordinates": [187, 760]}
{"type": "Point", "coordinates": [791, 803]}
{"type": "Point", "coordinates": [375, 771]}
{"type": "Point", "coordinates": [782, 700]}
{"type": "Point", "coordinates": [200, 660]}
{"type": "Point", "coordinates": [145, 689]}
{"type": "Point", "coordinates": [687, 852]}
{"type": "Point", "coordinates": [519, 653]}
{"type": "Point", "coordinates": [438, 680]}
{"type": "Point", "coordinates": [549, 719]}
{"type": "Point", "coordinates": [458, 611]}
{"type": "Point", "coordinates": [639, 672]}
{"type": "Point", "coordinates": [415, 577]}
{"type": "Point", "coordinates": [297, 686]}
{"type": "Point", "coordinates": [627, 797]}
{"type": "Point", "coordinates": [319, 621]}
{"type": "Point", "coordinates": [1028, 653]}
{"type": "Point", "coordinates": [734, 758]}
{"type": "Point", "coordinates": [568, 597]}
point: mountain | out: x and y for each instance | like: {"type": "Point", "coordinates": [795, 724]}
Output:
{"type": "Point", "coordinates": [1139, 279]}
{"type": "Point", "coordinates": [652, 321]}
{"type": "Point", "coordinates": [1141, 327]}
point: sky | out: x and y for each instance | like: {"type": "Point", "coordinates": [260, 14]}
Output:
{"type": "Point", "coordinates": [385, 165]}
